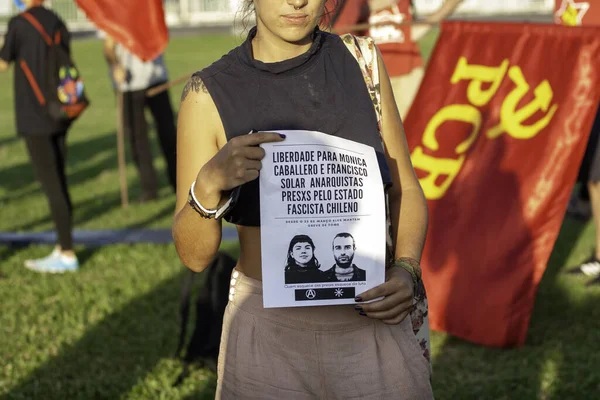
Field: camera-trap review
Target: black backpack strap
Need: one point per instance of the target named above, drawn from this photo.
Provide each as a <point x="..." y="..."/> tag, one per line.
<point x="184" y="300"/>
<point x="184" y="308"/>
<point x="36" y="24"/>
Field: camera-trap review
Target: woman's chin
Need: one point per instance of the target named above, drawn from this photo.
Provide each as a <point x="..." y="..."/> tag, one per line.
<point x="296" y="35"/>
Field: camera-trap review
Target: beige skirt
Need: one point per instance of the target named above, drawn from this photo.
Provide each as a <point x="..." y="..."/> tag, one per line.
<point x="327" y="352"/>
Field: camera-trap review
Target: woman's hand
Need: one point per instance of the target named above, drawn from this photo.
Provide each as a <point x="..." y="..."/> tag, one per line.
<point x="397" y="292"/>
<point x="236" y="163"/>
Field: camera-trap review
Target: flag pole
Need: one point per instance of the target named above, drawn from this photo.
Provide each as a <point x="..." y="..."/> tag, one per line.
<point x="167" y="85"/>
<point x="121" y="152"/>
<point x="366" y="25"/>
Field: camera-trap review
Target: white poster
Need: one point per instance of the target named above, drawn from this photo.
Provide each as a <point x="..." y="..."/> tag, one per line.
<point x="322" y="215"/>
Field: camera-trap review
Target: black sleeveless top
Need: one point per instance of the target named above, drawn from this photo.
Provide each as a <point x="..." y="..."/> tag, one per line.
<point x="320" y="90"/>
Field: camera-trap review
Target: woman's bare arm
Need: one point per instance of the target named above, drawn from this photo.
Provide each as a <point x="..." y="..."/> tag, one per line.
<point x="408" y="207"/>
<point x="199" y="131"/>
<point x="217" y="165"/>
<point x="408" y="212"/>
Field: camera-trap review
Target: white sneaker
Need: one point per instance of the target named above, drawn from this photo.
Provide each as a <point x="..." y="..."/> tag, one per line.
<point x="31" y="263"/>
<point x="54" y="264"/>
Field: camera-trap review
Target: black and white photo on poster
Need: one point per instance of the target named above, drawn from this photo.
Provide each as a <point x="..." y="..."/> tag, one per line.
<point x="322" y="220"/>
<point x="302" y="265"/>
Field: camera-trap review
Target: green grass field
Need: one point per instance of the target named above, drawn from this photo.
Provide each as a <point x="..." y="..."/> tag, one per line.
<point x="110" y="330"/>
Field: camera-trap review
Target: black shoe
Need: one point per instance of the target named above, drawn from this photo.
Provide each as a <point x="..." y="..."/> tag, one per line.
<point x="589" y="267"/>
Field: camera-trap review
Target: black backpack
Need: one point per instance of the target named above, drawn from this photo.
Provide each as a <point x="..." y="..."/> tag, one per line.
<point x="63" y="96"/>
<point x="211" y="301"/>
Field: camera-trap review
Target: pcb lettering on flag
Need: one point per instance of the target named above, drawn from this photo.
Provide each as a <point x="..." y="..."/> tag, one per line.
<point x="496" y="138"/>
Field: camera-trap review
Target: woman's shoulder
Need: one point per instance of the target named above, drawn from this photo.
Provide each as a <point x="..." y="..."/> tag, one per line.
<point x="331" y="40"/>
<point x="219" y="66"/>
<point x="340" y="47"/>
<point x="197" y="99"/>
<point x="200" y="81"/>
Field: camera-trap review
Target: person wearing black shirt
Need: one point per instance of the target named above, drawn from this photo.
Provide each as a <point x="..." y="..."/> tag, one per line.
<point x="45" y="138"/>
<point x="302" y="266"/>
<point x="290" y="75"/>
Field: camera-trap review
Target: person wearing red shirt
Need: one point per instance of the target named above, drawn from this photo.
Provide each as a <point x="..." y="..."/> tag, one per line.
<point x="398" y="44"/>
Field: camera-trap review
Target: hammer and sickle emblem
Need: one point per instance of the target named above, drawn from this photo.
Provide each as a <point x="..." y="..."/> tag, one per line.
<point x="511" y="119"/>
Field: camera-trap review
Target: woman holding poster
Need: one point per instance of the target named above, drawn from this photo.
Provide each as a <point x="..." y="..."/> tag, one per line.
<point x="289" y="75"/>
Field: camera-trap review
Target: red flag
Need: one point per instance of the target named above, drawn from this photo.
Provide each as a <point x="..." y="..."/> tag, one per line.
<point x="497" y="132"/>
<point x="139" y="25"/>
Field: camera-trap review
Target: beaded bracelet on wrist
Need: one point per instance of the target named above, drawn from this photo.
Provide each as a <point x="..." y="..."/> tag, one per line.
<point x="411" y="266"/>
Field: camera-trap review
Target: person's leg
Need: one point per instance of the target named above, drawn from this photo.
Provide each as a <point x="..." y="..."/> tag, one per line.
<point x="266" y="353"/>
<point x="160" y="106"/>
<point x="381" y="362"/>
<point x="48" y="157"/>
<point x="591" y="266"/>
<point x="65" y="226"/>
<point x="579" y="205"/>
<point x="136" y="130"/>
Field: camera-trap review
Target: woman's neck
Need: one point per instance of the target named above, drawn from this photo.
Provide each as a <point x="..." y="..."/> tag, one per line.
<point x="269" y="48"/>
<point x="302" y="266"/>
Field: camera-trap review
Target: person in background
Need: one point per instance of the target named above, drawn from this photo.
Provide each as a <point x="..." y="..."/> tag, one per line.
<point x="133" y="77"/>
<point x="590" y="178"/>
<point x="585" y="202"/>
<point x="398" y="44"/>
<point x="399" y="47"/>
<point x="44" y="137"/>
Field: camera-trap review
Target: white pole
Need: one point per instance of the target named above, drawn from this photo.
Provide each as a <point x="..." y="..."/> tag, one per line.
<point x="184" y="10"/>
